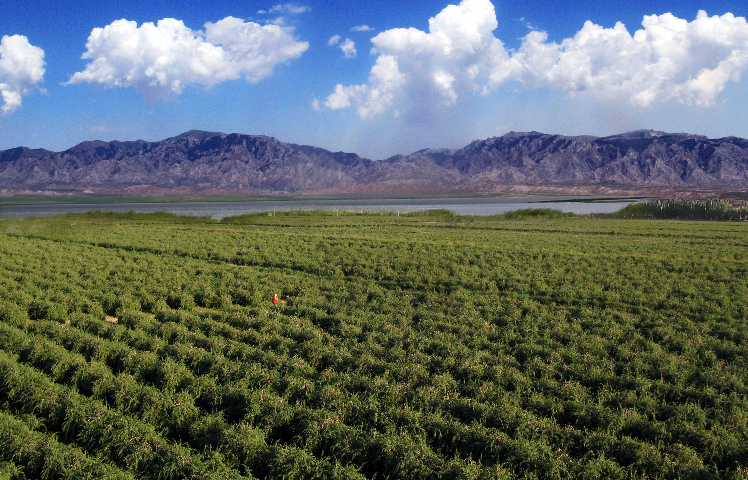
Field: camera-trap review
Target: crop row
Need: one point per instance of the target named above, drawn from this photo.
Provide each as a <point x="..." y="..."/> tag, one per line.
<point x="399" y="350"/>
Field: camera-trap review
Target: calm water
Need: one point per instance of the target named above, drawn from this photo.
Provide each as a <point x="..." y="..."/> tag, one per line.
<point x="218" y="210"/>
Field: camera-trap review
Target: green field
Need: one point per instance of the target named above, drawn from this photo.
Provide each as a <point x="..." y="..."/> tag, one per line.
<point x="414" y="347"/>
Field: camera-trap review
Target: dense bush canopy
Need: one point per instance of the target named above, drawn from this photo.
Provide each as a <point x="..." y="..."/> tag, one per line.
<point x="411" y="347"/>
<point x="677" y="208"/>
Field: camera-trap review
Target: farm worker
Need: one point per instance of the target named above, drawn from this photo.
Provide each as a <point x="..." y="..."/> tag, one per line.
<point x="275" y="298"/>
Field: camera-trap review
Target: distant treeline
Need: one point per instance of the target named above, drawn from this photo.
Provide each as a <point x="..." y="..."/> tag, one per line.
<point x="677" y="208"/>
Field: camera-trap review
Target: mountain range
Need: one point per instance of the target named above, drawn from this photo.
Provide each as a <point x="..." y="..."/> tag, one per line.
<point x="210" y="162"/>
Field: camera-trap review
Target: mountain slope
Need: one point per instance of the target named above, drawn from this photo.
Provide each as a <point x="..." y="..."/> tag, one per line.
<point x="200" y="161"/>
<point x="194" y="159"/>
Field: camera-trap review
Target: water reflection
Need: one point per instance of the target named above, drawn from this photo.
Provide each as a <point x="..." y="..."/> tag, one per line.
<point x="218" y="210"/>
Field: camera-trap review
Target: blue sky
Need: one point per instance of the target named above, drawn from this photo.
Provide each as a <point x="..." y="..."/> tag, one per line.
<point x="423" y="74"/>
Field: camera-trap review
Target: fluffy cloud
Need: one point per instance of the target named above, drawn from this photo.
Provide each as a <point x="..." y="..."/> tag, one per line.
<point x="668" y="59"/>
<point x="361" y="28"/>
<point x="385" y="82"/>
<point x="349" y="48"/>
<point x="21" y="70"/>
<point x="159" y="60"/>
<point x="420" y="70"/>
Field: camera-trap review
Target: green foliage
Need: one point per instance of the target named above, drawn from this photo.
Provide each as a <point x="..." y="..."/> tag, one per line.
<point x="131" y="215"/>
<point x="40" y="456"/>
<point x="12" y="314"/>
<point x="676" y="208"/>
<point x="537" y="212"/>
<point x="423" y="345"/>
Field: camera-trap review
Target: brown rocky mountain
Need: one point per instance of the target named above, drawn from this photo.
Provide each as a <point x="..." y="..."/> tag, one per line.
<point x="198" y="161"/>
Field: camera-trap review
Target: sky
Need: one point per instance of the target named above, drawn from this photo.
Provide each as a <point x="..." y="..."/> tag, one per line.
<point x="376" y="78"/>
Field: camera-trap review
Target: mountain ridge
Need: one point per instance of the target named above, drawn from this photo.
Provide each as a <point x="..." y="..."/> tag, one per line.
<point x="213" y="161"/>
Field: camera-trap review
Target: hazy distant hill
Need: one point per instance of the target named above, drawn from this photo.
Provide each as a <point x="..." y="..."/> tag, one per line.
<point x="206" y="161"/>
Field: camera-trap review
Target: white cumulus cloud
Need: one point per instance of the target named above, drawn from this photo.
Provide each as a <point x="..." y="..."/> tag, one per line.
<point x="385" y="82"/>
<point x="349" y="48"/>
<point x="668" y="59"/>
<point x="21" y="70"/>
<point x="159" y="60"/>
<point x="334" y="40"/>
<point x="361" y="28"/>
<point x="421" y="70"/>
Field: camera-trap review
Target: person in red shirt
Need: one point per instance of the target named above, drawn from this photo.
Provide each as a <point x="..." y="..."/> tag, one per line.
<point x="275" y="298"/>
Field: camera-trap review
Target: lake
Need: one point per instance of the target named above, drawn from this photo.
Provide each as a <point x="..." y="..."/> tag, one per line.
<point x="462" y="206"/>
